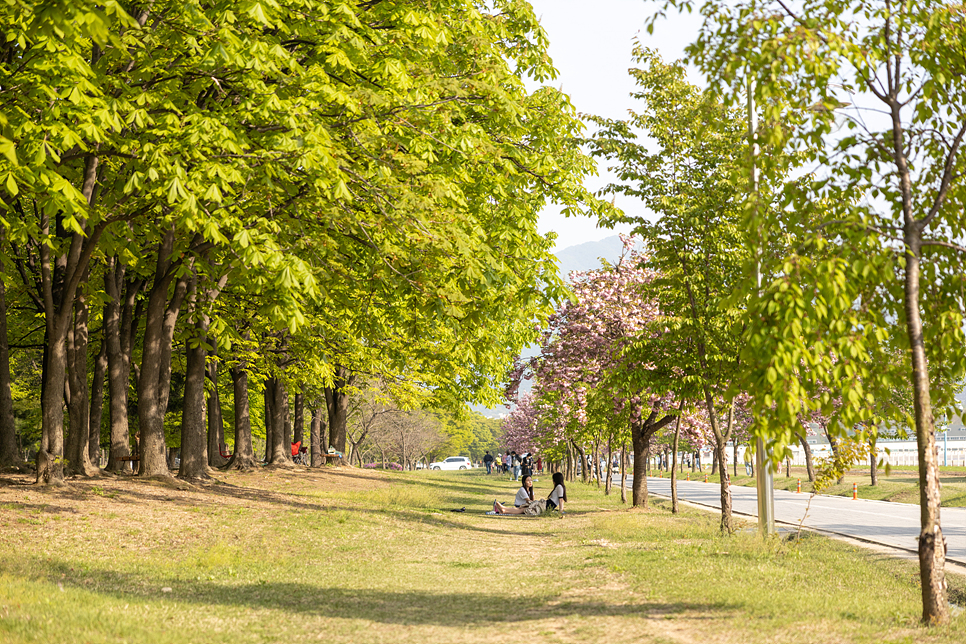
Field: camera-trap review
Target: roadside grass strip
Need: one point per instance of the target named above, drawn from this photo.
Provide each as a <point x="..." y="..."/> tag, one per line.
<point x="346" y="555"/>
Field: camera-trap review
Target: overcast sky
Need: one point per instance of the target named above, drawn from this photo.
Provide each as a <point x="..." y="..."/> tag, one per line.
<point x="590" y="44"/>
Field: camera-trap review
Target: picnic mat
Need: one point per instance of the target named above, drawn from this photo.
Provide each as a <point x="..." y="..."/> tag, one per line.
<point x="493" y="515"/>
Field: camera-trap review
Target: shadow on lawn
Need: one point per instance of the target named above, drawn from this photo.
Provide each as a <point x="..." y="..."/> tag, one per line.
<point x="407" y="607"/>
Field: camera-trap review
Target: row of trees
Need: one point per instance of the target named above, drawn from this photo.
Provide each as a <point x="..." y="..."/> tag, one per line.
<point x="787" y="272"/>
<point x="310" y="195"/>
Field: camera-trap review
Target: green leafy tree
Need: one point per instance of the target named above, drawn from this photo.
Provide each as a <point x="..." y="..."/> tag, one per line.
<point x="684" y="167"/>
<point x="886" y="201"/>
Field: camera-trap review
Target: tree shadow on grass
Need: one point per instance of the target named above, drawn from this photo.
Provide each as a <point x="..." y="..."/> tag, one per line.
<point x="215" y="495"/>
<point x="393" y="607"/>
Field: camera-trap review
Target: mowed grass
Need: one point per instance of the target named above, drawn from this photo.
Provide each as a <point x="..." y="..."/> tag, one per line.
<point x="901" y="485"/>
<point x="344" y="555"/>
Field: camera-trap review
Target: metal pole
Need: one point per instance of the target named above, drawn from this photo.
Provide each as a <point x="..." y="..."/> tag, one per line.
<point x="766" y="478"/>
<point x="766" y="491"/>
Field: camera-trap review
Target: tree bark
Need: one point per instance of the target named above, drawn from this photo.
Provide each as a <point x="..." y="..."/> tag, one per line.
<point x="269" y="399"/>
<point x="674" y="450"/>
<point x="97" y="405"/>
<point x="337" y="402"/>
<point x="280" y="453"/>
<point x="154" y="381"/>
<point x="194" y="444"/>
<point x="834" y="444"/>
<point x="78" y="401"/>
<point x="287" y="423"/>
<point x="809" y="463"/>
<point x="298" y="426"/>
<point x="641" y="443"/>
<point x="584" y="470"/>
<point x="119" y="329"/>
<point x="216" y="420"/>
<point x="932" y="544"/>
<point x="734" y="455"/>
<point x="641" y="433"/>
<point x="8" y="428"/>
<point x="60" y="280"/>
<point x="873" y="463"/>
<point x="243" y="457"/>
<point x="608" y="483"/>
<point x="721" y="439"/>
<point x="623" y="473"/>
<point x="316" y="437"/>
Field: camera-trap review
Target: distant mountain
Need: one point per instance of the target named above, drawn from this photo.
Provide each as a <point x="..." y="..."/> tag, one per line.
<point x="586" y="256"/>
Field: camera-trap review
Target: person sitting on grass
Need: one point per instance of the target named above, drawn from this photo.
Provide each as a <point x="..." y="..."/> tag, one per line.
<point x="522" y="500"/>
<point x="559" y="494"/>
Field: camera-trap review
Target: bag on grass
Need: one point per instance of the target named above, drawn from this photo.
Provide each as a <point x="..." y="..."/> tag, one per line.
<point x="534" y="508"/>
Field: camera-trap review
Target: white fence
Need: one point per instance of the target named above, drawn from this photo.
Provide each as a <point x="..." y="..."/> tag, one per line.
<point x="951" y="453"/>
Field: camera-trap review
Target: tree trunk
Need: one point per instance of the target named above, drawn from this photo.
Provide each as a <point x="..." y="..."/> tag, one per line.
<point x="119" y="329"/>
<point x="725" y="486"/>
<point x="194" y="446"/>
<point x="641" y="443"/>
<point x="714" y="462"/>
<point x="337" y="402"/>
<point x="269" y="401"/>
<point x="216" y="420"/>
<point x="623" y="473"/>
<point x="570" y="474"/>
<point x="873" y="463"/>
<point x="734" y="456"/>
<point x="243" y="457"/>
<point x="721" y="439"/>
<point x="287" y="423"/>
<point x="608" y="482"/>
<point x="8" y="428"/>
<point x="316" y="437"/>
<point x="932" y="544"/>
<point x="60" y="280"/>
<point x="873" y="467"/>
<point x="281" y="450"/>
<point x="298" y="427"/>
<point x="834" y="444"/>
<point x="584" y="470"/>
<point x="78" y="401"/>
<point x="674" y="452"/>
<point x="154" y="381"/>
<point x="97" y="405"/>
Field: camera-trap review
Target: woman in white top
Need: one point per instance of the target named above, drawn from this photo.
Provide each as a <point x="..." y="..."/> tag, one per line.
<point x="524" y="496"/>
<point x="559" y="494"/>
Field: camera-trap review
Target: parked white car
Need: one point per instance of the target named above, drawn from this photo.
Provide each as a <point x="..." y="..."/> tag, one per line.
<point x="452" y="463"/>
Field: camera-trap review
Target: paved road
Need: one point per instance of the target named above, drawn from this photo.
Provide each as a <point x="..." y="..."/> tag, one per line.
<point x="891" y="524"/>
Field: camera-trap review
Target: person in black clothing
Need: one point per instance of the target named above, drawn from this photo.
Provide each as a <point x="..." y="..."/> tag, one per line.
<point x="526" y="465"/>
<point x="488" y="461"/>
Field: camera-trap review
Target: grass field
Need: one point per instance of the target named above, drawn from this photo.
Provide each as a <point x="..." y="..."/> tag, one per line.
<point x="347" y="555"/>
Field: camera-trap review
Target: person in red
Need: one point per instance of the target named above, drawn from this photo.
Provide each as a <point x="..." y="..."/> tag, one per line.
<point x="539" y="465"/>
<point x="295" y="448"/>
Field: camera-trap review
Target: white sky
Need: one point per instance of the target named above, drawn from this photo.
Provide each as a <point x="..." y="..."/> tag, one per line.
<point x="590" y="44"/>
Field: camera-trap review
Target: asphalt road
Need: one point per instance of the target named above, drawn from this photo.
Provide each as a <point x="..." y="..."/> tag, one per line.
<point x="895" y="525"/>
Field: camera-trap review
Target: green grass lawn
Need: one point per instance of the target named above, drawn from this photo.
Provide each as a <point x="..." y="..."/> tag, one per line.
<point x="345" y="555"/>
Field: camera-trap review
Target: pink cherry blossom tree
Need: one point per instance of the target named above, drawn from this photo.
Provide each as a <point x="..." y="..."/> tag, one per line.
<point x="584" y="367"/>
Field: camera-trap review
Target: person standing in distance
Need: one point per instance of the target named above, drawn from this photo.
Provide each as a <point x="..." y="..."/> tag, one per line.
<point x="488" y="461"/>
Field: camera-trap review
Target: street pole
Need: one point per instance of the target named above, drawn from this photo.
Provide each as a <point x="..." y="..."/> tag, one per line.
<point x="766" y="478"/>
